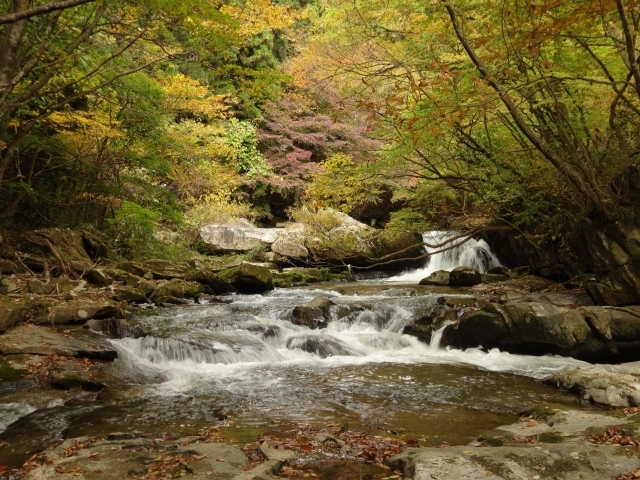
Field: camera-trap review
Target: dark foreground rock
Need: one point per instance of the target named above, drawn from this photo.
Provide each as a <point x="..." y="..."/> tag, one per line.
<point x="315" y="314"/>
<point x="31" y="339"/>
<point x="464" y="277"/>
<point x="596" y="334"/>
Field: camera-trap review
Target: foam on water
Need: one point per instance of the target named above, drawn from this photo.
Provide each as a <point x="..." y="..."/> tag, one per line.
<point x="250" y="343"/>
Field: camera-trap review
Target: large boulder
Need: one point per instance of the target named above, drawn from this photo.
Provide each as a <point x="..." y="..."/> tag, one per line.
<point x="290" y="244"/>
<point x="240" y="236"/>
<point x="315" y="314"/>
<point x="464" y="277"/>
<point x="248" y="278"/>
<point x="439" y="278"/>
<point x="597" y="334"/>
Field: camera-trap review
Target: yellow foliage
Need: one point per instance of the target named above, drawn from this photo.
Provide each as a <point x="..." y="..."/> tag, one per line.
<point x="340" y="184"/>
<point x="187" y="94"/>
<point x="261" y="15"/>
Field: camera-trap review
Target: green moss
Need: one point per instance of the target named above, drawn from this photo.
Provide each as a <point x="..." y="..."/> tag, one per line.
<point x="551" y="437"/>
<point x="10" y="374"/>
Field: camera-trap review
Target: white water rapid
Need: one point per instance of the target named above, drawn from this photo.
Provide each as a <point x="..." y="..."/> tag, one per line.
<point x="473" y="253"/>
<point x="252" y="341"/>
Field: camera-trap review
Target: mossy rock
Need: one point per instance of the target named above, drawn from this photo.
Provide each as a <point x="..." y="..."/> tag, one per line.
<point x="297" y="276"/>
<point x="178" y="289"/>
<point x="552" y="437"/>
<point x="249" y="278"/>
<point x="10" y="374"/>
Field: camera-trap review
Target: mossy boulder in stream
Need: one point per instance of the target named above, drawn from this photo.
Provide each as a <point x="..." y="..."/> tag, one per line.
<point x="249" y="278"/>
<point x="177" y="288"/>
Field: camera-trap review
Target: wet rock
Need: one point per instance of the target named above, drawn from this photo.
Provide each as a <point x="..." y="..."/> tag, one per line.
<point x="321" y="346"/>
<point x="315" y="314"/>
<point x="399" y="292"/>
<point x="98" y="276"/>
<point x="441" y="278"/>
<point x="77" y="312"/>
<point x="112" y="327"/>
<point x="595" y="334"/>
<point x="554" y="448"/>
<point x="12" y="316"/>
<point x="249" y="278"/>
<point x="265" y="331"/>
<point x="614" y="386"/>
<point x="73" y="375"/>
<point x="464" y="277"/>
<point x="297" y="275"/>
<point x="499" y="271"/>
<point x="208" y="277"/>
<point x="177" y="289"/>
<point x="493" y="278"/>
<point x="31" y="339"/>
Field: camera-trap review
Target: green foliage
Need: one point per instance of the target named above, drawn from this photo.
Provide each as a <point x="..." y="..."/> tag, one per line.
<point x="134" y="224"/>
<point x="241" y="136"/>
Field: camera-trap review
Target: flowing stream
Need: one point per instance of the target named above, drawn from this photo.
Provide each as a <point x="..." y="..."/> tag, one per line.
<point x="246" y="365"/>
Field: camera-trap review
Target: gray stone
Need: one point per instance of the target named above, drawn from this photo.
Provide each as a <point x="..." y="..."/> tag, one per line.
<point x="31" y="339"/>
<point x="98" y="276"/>
<point x="12" y="316"/>
<point x="233" y="237"/>
<point x="464" y="277"/>
<point x="290" y="245"/>
<point x="129" y="294"/>
<point x="613" y="386"/>
<point x="440" y="278"/>
<point x="499" y="271"/>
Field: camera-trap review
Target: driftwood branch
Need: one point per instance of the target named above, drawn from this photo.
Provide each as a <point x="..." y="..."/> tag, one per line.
<point x="42" y="9"/>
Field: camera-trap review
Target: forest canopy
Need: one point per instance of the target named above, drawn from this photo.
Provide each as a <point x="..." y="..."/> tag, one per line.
<point x="147" y="115"/>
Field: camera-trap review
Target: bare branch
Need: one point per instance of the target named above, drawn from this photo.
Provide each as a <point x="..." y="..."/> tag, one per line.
<point x="49" y="7"/>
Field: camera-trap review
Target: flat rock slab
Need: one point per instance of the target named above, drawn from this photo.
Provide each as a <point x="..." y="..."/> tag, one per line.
<point x="31" y="339"/>
<point x="119" y="459"/>
<point x="547" y="462"/>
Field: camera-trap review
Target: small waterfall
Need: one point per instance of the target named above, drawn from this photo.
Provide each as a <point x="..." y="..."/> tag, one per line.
<point x="473" y="253"/>
<point x="436" y="338"/>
